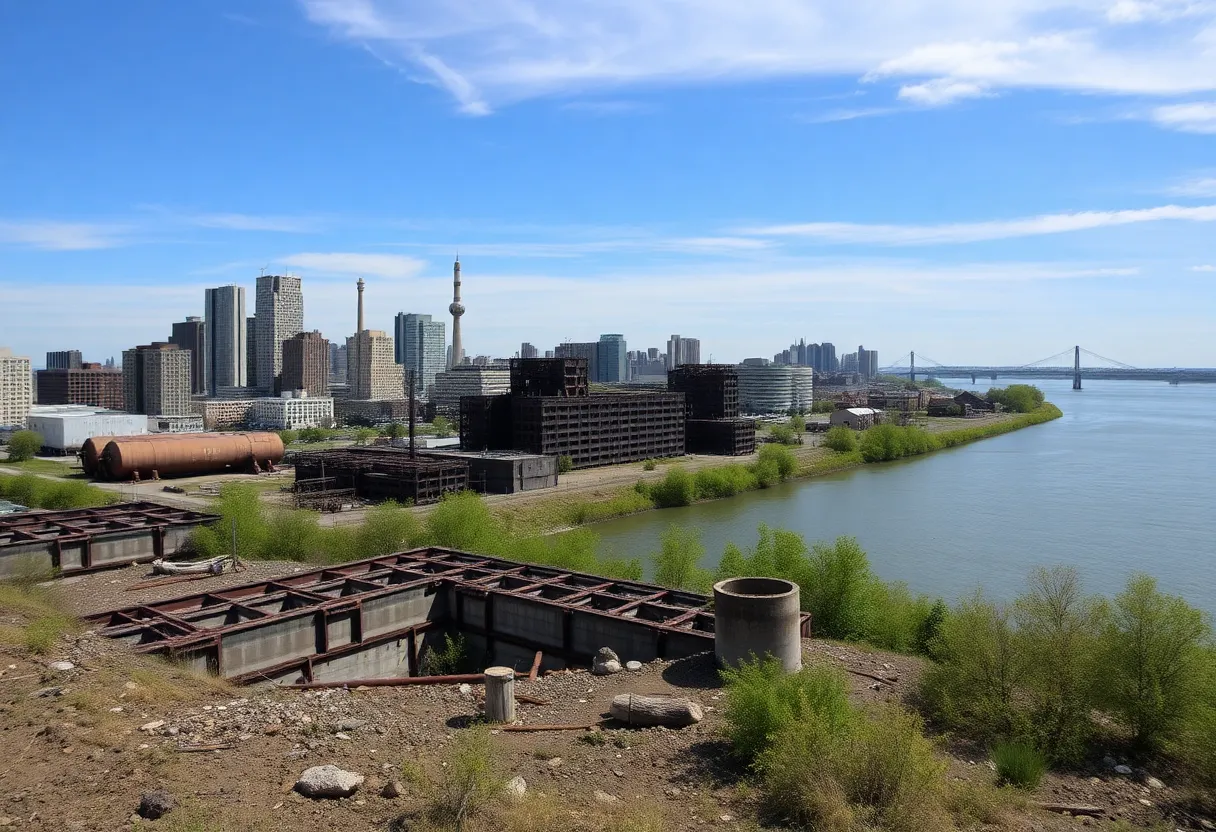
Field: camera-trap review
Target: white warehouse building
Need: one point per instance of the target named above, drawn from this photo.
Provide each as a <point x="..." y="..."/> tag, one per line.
<point x="293" y="413"/>
<point x="774" y="388"/>
<point x="65" y="427"/>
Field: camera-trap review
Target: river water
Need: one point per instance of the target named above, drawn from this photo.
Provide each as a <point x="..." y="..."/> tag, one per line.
<point x="1124" y="482"/>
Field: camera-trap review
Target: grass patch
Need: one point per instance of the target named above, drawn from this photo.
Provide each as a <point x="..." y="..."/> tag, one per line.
<point x="45" y="621"/>
<point x="1019" y="764"/>
<point x="42" y="466"/>
<point x="39" y="492"/>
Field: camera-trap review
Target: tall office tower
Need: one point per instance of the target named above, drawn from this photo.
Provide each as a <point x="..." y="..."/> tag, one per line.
<point x="456" y="354"/>
<point x="337" y="363"/>
<point x="191" y="334"/>
<point x="652" y="354"/>
<point x="420" y="347"/>
<point x="306" y="364"/>
<point x="589" y="350"/>
<point x="63" y="360"/>
<point x="802" y="352"/>
<point x="682" y="351"/>
<point x="228" y="339"/>
<point x="280" y="315"/>
<point x="867" y="362"/>
<point x="156" y="380"/>
<point x="526" y="350"/>
<point x="92" y="385"/>
<point x="610" y="358"/>
<point x="814" y="357"/>
<point x="16" y="389"/>
<point x="549" y="353"/>
<point x="251" y="352"/>
<point x="371" y="371"/>
<point x="848" y="363"/>
<point x="830" y="363"/>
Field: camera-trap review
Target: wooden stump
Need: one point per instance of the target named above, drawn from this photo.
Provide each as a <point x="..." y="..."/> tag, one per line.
<point x="672" y="711"/>
<point x="500" y="694"/>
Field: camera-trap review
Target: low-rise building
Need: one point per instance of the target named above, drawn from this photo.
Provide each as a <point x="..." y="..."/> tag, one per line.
<point x="857" y="418"/>
<point x="293" y="413"/>
<point x="223" y="413"/>
<point x="64" y="428"/>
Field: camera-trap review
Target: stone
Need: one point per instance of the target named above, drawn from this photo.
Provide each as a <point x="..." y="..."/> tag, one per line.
<point x="555" y="762"/>
<point x="155" y="804"/>
<point x="392" y="789"/>
<point x="46" y="692"/>
<point x="604" y="797"/>
<point x="152" y="726"/>
<point x="633" y="666"/>
<point x="351" y="724"/>
<point x="725" y="818"/>
<point x="516" y="787"/>
<point x="1144" y="802"/>
<point x="341" y="736"/>
<point x="61" y="667"/>
<point x="465" y="689"/>
<point x="1153" y="783"/>
<point x="328" y="782"/>
<point x="1124" y="770"/>
<point x="606" y="668"/>
<point x="1109" y="762"/>
<point x="606" y="654"/>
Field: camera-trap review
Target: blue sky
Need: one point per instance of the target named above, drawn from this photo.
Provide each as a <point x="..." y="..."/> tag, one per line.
<point x="980" y="182"/>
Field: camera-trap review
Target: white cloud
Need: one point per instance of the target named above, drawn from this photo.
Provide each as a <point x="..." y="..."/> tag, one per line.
<point x="1203" y="268"/>
<point x="722" y="245"/>
<point x="941" y="91"/>
<point x="488" y="53"/>
<point x="62" y="236"/>
<point x="971" y="232"/>
<point x="1196" y="117"/>
<point x="350" y="263"/>
<point x="251" y="222"/>
<point x="1202" y="186"/>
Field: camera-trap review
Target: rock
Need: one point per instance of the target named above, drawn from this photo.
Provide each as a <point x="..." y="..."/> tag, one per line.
<point x="351" y="724"/>
<point x="1144" y="802"/>
<point x="604" y="797"/>
<point x="606" y="668"/>
<point x="341" y="736"/>
<point x="61" y="667"/>
<point x="392" y="789"/>
<point x="328" y="782"/>
<point x="465" y="688"/>
<point x="152" y="726"/>
<point x="46" y="692"/>
<point x="725" y="818"/>
<point x="555" y="762"/>
<point x="606" y="654"/>
<point x="155" y="804"/>
<point x="1153" y="783"/>
<point x="516" y="787"/>
<point x="1125" y="770"/>
<point x="271" y="730"/>
<point x="633" y="666"/>
<point x="1109" y="762"/>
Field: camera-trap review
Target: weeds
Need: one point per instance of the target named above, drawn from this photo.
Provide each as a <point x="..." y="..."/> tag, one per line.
<point x="452" y="658"/>
<point x="1019" y="764"/>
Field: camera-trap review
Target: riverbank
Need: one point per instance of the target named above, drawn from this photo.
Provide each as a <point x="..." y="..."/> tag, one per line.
<point x="549" y="512"/>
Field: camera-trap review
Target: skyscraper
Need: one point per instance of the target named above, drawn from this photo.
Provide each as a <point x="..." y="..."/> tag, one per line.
<point x="611" y="358"/>
<point x="371" y="371"/>
<point x="225" y="339"/>
<point x="280" y="315"/>
<point x="337" y="363"/>
<point x="63" y="360"/>
<point x="251" y="352"/>
<point x="830" y="364"/>
<point x="867" y="362"/>
<point x="420" y="344"/>
<point x="191" y="334"/>
<point x="16" y="389"/>
<point x="156" y="380"/>
<point x="456" y="356"/>
<point x="306" y="364"/>
<point x="526" y="350"/>
<point x="682" y="351"/>
<point x="814" y="357"/>
<point x="589" y="350"/>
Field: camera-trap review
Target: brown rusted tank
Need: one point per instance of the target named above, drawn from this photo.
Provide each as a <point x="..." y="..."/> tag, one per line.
<point x="91" y="450"/>
<point x="188" y="454"/>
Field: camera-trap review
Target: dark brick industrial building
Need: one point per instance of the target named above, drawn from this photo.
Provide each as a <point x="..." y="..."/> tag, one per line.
<point x="91" y="384"/>
<point x="306" y="364"/>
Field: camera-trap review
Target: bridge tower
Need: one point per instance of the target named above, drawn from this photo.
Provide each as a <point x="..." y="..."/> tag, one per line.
<point x="1076" y="369"/>
<point x="912" y="374"/>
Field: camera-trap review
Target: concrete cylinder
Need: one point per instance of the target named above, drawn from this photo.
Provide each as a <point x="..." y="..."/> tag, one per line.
<point x="754" y="617"/>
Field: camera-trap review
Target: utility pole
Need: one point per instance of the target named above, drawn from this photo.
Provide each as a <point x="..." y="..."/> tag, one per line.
<point x="1076" y="369"/>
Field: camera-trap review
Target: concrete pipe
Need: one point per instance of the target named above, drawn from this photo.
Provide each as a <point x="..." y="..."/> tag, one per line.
<point x="754" y="617"/>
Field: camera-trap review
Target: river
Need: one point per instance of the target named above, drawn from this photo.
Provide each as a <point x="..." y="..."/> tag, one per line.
<point x="1124" y="482"/>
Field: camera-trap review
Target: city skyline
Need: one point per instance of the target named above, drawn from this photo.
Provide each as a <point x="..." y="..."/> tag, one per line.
<point x="900" y="188"/>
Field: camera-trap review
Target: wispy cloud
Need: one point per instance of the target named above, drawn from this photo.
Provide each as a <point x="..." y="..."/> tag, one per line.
<point x="494" y="52"/>
<point x="972" y="232"/>
<point x="1204" y="268"/>
<point x="641" y="243"/>
<point x="63" y="236"/>
<point x="1203" y="186"/>
<point x="253" y="222"/>
<point x="849" y="115"/>
<point x="354" y="263"/>
<point x="1196" y="117"/>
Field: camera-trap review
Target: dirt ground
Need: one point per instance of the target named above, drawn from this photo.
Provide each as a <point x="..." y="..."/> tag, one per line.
<point x="80" y="746"/>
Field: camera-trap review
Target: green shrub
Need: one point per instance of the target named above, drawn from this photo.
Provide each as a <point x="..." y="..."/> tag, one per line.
<point x="783" y="458"/>
<point x="565" y="464"/>
<point x="837" y="590"/>
<point x="1019" y="764"/>
<point x="784" y="435"/>
<point x="722" y="481"/>
<point x="841" y="439"/>
<point x="762" y="700"/>
<point x="897" y="618"/>
<point x="883" y="443"/>
<point x="873" y="771"/>
<point x="1019" y="398"/>
<point x="678" y="488"/>
<point x="1153" y="662"/>
<point x="462" y="521"/>
<point x="676" y="562"/>
<point x="471" y="781"/>
<point x="626" y="502"/>
<point x="38" y="492"/>
<point x="387" y="528"/>
<point x="288" y="436"/>
<point x="452" y="657"/>
<point x="649" y="465"/>
<point x="23" y="445"/>
<point x="798" y="423"/>
<point x="442" y="426"/>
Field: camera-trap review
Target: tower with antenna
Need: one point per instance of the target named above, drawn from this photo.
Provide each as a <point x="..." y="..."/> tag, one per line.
<point x="457" y="309"/>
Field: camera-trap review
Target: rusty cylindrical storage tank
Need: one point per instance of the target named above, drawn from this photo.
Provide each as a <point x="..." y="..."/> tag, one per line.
<point x="189" y="454"/>
<point x="754" y="617"/>
<point x="91" y="450"/>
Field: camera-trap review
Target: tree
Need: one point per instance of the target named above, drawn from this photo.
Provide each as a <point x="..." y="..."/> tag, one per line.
<point x="364" y="435"/>
<point x="394" y="430"/>
<point x="565" y="464"/>
<point x="1020" y="398"/>
<point x="24" y="444"/>
<point x="676" y="563"/>
<point x="288" y="436"/>
<point x="798" y="423"/>
<point x="1152" y="661"/>
<point x="443" y="427"/>
<point x="841" y="439"/>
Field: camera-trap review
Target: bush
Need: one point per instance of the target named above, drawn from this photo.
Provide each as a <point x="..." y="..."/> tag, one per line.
<point x="782" y="458"/>
<point x="565" y="464"/>
<point x="364" y="435"/>
<point x="1153" y="662"/>
<point x="471" y="781"/>
<point x="443" y="427"/>
<point x="288" y="436"/>
<point x="23" y="445"/>
<point x="837" y="589"/>
<point x="1019" y="398"/>
<point x="649" y="465"/>
<point x="676" y="562"/>
<point x="1019" y="764"/>
<point x="841" y="439"/>
<point x="452" y="658"/>
<point x="314" y="435"/>
<point x="798" y="424"/>
<point x="678" y="488"/>
<point x="723" y="481"/>
<point x="388" y="527"/>
<point x="763" y="700"/>
<point x="784" y="435"/>
<point x="38" y="492"/>
<point x="882" y="443"/>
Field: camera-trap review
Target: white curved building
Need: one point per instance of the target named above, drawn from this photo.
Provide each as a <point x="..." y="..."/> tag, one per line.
<point x="774" y="388"/>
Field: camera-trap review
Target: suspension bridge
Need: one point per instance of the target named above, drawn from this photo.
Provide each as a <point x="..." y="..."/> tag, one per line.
<point x="1064" y="364"/>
